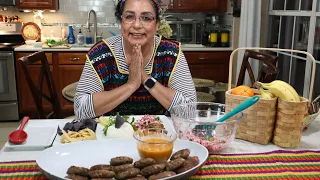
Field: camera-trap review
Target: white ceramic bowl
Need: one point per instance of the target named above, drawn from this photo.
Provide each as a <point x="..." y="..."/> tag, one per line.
<point x="37" y="44"/>
<point x="30" y="42"/>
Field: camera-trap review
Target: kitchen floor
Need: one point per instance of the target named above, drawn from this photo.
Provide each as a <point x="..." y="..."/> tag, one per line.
<point x="5" y="129"/>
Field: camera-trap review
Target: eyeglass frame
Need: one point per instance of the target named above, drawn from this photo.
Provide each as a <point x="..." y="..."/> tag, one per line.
<point x="140" y="18"/>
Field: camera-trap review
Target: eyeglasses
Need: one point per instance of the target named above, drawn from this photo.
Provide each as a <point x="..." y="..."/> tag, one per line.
<point x="144" y="19"/>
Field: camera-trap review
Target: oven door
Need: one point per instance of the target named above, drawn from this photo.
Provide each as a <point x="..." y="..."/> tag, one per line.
<point x="8" y="90"/>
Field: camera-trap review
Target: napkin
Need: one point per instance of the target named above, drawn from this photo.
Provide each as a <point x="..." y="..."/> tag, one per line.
<point x="77" y="125"/>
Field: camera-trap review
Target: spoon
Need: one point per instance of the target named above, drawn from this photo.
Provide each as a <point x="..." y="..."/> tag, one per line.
<point x="19" y="136"/>
<point x="244" y="105"/>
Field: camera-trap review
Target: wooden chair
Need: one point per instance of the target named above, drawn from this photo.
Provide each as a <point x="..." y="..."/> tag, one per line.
<point x="268" y="71"/>
<point x="36" y="88"/>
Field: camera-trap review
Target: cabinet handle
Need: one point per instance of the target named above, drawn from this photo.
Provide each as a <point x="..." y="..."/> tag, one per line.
<point x="202" y="58"/>
<point x="179" y="5"/>
<point x="74" y="59"/>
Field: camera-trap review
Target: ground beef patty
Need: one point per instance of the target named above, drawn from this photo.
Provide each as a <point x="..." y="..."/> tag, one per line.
<point x="101" y="166"/>
<point x="78" y="171"/>
<point x="188" y="164"/>
<point x="132" y="172"/>
<point x="76" y="177"/>
<point x="137" y="178"/>
<point x="122" y="167"/>
<point x="174" y="164"/>
<point x="101" y="174"/>
<point x="144" y="162"/>
<point x="121" y="160"/>
<point x="153" y="169"/>
<point x="161" y="175"/>
<point x="183" y="153"/>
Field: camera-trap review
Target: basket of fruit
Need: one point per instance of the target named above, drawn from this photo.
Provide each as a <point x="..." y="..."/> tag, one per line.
<point x="291" y="110"/>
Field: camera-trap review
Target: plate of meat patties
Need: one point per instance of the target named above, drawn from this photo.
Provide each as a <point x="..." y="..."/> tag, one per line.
<point x="119" y="159"/>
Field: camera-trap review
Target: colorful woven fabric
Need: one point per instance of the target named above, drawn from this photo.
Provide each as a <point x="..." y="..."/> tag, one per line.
<point x="20" y="170"/>
<point x="272" y="166"/>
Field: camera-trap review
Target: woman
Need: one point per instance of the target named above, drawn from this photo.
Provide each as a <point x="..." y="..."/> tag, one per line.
<point x="137" y="72"/>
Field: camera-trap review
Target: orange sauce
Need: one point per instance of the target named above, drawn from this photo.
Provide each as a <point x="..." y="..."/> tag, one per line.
<point x="159" y="152"/>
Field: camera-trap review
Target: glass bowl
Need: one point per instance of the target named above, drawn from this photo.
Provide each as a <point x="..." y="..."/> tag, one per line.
<point x="155" y="143"/>
<point x="197" y="122"/>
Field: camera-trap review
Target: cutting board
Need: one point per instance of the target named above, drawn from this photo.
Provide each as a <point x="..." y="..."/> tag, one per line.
<point x="45" y="46"/>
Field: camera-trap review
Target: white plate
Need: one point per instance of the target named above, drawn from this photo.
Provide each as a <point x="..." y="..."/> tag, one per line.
<point x="55" y="161"/>
<point x="40" y="135"/>
<point x="167" y="123"/>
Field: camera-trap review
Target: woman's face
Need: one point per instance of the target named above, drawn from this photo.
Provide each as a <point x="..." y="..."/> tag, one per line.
<point x="138" y="24"/>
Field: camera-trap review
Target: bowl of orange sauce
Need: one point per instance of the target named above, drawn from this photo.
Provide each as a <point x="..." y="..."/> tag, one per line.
<point x="155" y="143"/>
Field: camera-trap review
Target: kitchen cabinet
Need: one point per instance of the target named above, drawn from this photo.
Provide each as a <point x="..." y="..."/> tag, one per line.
<point x="212" y="65"/>
<point x="36" y="4"/>
<point x="209" y="6"/>
<point x="66" y="68"/>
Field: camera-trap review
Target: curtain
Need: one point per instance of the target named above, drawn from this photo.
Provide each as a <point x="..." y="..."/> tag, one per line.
<point x="249" y="33"/>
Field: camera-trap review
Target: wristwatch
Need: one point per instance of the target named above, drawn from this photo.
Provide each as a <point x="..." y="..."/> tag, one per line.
<point x="149" y="83"/>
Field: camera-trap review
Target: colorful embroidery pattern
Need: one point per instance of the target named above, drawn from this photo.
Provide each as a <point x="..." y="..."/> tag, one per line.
<point x="106" y="67"/>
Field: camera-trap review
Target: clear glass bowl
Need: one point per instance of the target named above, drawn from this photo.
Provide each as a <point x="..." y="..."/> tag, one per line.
<point x="155" y="143"/>
<point x="197" y="122"/>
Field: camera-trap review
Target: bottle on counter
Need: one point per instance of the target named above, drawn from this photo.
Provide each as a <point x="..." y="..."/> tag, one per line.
<point x="80" y="38"/>
<point x="89" y="39"/>
<point x="71" y="38"/>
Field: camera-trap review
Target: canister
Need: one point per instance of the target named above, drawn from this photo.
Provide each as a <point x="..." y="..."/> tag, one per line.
<point x="213" y="38"/>
<point x="224" y="34"/>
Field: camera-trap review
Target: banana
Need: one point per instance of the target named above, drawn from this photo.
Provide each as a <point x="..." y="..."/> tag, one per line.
<point x="265" y="94"/>
<point x="279" y="91"/>
<point x="289" y="87"/>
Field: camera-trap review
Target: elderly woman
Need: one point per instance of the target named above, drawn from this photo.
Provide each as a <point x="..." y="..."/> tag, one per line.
<point x="135" y="73"/>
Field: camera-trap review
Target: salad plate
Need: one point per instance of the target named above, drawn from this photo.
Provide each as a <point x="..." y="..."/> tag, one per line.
<point x="55" y="161"/>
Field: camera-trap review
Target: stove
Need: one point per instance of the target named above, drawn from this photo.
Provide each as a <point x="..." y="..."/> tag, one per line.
<point x="10" y="37"/>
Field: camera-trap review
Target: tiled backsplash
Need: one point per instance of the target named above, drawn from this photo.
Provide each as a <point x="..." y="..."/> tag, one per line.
<point x="75" y="12"/>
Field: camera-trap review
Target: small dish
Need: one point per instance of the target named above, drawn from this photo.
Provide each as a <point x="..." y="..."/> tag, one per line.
<point x="40" y="135"/>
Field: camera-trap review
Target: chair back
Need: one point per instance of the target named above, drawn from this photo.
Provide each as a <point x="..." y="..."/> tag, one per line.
<point x="36" y="87"/>
<point x="268" y="70"/>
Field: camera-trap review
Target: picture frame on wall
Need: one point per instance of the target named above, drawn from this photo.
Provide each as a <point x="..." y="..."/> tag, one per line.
<point x="236" y="8"/>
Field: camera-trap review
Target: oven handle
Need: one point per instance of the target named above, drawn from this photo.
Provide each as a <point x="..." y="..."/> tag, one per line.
<point x="8" y="104"/>
<point x="5" y="54"/>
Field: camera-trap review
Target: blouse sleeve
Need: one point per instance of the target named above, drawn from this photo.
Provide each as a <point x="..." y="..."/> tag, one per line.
<point x="182" y="83"/>
<point x="87" y="85"/>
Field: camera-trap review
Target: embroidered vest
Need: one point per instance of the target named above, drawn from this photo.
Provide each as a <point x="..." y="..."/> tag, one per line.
<point x="141" y="101"/>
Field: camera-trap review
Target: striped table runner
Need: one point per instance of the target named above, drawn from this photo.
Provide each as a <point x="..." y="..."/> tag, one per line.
<point x="272" y="165"/>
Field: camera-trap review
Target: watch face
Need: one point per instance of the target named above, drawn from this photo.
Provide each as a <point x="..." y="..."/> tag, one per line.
<point x="149" y="83"/>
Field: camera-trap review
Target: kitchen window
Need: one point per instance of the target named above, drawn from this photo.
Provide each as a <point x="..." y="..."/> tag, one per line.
<point x="295" y="24"/>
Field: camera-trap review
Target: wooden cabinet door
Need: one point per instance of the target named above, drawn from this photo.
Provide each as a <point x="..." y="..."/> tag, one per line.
<point x="68" y="74"/>
<point x="37" y="4"/>
<point x="209" y="65"/>
<point x="189" y="5"/>
<point x="209" y="5"/>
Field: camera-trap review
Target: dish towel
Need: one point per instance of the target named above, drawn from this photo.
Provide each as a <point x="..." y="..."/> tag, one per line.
<point x="272" y="165"/>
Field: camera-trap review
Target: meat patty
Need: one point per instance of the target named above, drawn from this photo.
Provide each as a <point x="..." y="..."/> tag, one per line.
<point x="122" y="167"/>
<point x="121" y="160"/>
<point x="188" y="164"/>
<point x="78" y="171"/>
<point x="153" y="169"/>
<point x="102" y="174"/>
<point x="144" y="162"/>
<point x="132" y="172"/>
<point x="174" y="164"/>
<point x="161" y="175"/>
<point x="183" y="153"/>
<point x="76" y="177"/>
<point x="102" y="179"/>
<point x="101" y="166"/>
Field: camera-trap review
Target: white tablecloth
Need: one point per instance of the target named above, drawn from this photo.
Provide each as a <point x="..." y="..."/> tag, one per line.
<point x="309" y="141"/>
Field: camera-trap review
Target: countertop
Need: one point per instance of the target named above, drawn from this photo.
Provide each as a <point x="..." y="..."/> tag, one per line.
<point x="74" y="48"/>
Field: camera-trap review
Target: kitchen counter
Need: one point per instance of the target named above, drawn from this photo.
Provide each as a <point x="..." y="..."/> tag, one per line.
<point x="185" y="47"/>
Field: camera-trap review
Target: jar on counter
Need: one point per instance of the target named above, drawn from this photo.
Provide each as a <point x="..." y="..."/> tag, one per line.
<point x="225" y="40"/>
<point x="213" y="38"/>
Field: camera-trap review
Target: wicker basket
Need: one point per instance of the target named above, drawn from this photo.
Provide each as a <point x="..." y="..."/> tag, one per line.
<point x="205" y="97"/>
<point x="258" y="120"/>
<point x="289" y="123"/>
<point x="283" y="139"/>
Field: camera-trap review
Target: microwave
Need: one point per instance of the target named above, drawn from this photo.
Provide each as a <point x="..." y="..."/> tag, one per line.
<point x="187" y="32"/>
<point x="7" y="2"/>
